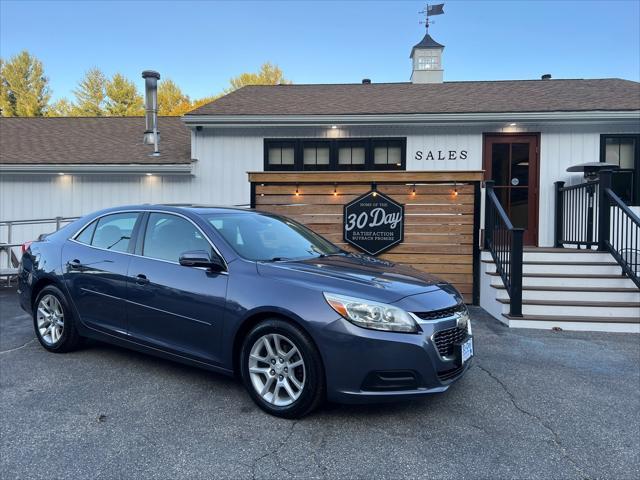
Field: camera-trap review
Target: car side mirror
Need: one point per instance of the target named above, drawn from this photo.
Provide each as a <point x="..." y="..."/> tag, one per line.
<point x="201" y="258"/>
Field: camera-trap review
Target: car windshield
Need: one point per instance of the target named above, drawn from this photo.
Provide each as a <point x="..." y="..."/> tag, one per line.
<point x="270" y="238"/>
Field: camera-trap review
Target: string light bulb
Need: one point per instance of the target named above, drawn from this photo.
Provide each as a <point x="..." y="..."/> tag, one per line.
<point x="297" y="191"/>
<point x="413" y="190"/>
<point x="455" y="189"/>
<point x="374" y="187"/>
<point x="335" y="189"/>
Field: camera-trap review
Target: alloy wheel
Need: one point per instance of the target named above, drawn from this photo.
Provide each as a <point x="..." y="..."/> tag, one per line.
<point x="50" y="318"/>
<point x="277" y="369"/>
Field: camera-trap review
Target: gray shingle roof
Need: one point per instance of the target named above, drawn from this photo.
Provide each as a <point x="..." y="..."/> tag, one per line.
<point x="90" y="140"/>
<point x="449" y="97"/>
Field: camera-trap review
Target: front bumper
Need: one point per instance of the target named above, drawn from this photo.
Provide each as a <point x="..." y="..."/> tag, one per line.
<point x="365" y="365"/>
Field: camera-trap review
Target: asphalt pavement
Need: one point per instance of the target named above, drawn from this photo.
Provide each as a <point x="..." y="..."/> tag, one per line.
<point x="534" y="404"/>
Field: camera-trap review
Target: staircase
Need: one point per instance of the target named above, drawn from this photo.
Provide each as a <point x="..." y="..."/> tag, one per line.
<point x="566" y="288"/>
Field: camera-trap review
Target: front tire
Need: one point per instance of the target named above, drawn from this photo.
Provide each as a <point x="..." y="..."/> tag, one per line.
<point x="281" y="369"/>
<point x="54" y="322"/>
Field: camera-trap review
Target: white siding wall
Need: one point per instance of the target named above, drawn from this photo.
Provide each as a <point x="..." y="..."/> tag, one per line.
<point x="224" y="155"/>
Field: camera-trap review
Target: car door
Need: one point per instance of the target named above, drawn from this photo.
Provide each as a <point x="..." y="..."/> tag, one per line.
<point x="173" y="307"/>
<point x="95" y="264"/>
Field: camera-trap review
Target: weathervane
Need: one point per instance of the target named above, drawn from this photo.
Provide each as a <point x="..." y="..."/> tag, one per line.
<point x="430" y="11"/>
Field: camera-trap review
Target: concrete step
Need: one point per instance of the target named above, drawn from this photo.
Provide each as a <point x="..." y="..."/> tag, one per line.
<point x="591" y="268"/>
<point x="573" y="294"/>
<point x="559" y="255"/>
<point x="570" y="280"/>
<point x="594" y="309"/>
<point x="547" y="322"/>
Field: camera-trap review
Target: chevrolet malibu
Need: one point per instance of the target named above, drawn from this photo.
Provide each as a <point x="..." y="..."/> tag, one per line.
<point x="253" y="294"/>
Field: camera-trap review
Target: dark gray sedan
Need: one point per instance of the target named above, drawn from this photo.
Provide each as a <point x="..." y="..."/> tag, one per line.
<point x="247" y="293"/>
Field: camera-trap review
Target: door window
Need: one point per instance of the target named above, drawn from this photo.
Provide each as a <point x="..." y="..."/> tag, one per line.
<point x="111" y="232"/>
<point x="169" y="236"/>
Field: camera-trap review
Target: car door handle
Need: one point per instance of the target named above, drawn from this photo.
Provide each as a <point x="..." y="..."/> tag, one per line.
<point x="141" y="279"/>
<point x="74" y="264"/>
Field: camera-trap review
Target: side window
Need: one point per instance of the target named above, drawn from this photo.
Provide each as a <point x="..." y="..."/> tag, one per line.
<point x="113" y="232"/>
<point x="87" y="234"/>
<point x="168" y="236"/>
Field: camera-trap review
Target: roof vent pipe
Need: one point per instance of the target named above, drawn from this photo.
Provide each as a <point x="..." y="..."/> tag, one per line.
<point x="366" y="81"/>
<point x="151" y="134"/>
<point x="546" y="76"/>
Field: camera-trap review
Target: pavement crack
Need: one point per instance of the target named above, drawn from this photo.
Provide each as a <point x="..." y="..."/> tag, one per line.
<point x="320" y="447"/>
<point x="554" y="435"/>
<point x="273" y="452"/>
<point x="18" y="348"/>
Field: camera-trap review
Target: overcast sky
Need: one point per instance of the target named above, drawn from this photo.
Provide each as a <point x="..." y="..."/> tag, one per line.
<point x="201" y="44"/>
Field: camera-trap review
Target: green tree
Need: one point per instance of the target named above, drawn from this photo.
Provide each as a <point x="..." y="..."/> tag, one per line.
<point x="24" y="88"/>
<point x="123" y="99"/>
<point x="60" y="108"/>
<point x="90" y="94"/>
<point x="267" y="75"/>
<point x="171" y="100"/>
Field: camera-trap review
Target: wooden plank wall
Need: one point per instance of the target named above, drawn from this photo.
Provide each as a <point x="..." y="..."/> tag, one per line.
<point x="439" y="223"/>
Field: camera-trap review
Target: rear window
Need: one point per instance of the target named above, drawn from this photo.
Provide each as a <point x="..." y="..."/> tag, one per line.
<point x="111" y="232"/>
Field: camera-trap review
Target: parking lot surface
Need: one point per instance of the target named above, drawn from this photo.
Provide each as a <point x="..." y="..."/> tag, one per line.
<point x="534" y="404"/>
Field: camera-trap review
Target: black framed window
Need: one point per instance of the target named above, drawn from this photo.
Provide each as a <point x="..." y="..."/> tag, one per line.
<point x="316" y="155"/>
<point x="388" y="154"/>
<point x="623" y="150"/>
<point x="351" y="155"/>
<point x="335" y="154"/>
<point x="280" y="155"/>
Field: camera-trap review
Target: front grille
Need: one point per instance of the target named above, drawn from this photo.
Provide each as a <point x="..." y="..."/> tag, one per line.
<point x="446" y="339"/>
<point x="452" y="373"/>
<point x="443" y="313"/>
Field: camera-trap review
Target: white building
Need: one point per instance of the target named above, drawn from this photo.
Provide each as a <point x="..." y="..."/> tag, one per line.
<point x="524" y="134"/>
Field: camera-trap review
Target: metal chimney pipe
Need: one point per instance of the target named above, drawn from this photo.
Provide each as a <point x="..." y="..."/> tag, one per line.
<point x="151" y="134"/>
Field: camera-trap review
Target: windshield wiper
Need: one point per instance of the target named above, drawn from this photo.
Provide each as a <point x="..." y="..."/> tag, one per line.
<point x="277" y="259"/>
<point x="335" y="254"/>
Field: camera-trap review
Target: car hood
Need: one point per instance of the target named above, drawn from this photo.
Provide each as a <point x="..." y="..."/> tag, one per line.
<point x="355" y="275"/>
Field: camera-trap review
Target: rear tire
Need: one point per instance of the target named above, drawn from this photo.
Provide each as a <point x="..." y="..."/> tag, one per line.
<point x="282" y="369"/>
<point x="54" y="322"/>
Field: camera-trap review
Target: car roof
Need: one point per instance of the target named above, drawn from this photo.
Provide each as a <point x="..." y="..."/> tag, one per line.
<point x="183" y="207"/>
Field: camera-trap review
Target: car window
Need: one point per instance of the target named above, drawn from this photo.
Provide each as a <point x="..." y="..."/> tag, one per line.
<point x="168" y="236"/>
<point x="113" y="232"/>
<point x="87" y="234"/>
<point x="266" y="237"/>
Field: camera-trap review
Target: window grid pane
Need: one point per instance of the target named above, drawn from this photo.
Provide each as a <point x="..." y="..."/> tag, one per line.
<point x="337" y="154"/>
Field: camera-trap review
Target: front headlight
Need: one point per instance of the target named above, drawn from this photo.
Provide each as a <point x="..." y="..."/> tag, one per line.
<point x="369" y="314"/>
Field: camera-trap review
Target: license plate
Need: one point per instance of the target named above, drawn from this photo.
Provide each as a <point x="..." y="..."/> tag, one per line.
<point x="467" y="350"/>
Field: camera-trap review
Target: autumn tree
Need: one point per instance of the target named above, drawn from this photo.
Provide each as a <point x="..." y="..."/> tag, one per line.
<point x="171" y="100"/>
<point x="24" y="88"/>
<point x="90" y="94"/>
<point x="203" y="101"/>
<point x="267" y="75"/>
<point x="60" y="108"/>
<point x="122" y="97"/>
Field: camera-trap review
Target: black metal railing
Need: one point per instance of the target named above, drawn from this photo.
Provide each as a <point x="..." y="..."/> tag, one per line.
<point x="505" y="244"/>
<point x="623" y="236"/>
<point x="576" y="221"/>
<point x="591" y="214"/>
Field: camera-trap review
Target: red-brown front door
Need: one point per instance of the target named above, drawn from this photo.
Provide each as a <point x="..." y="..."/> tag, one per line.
<point x="511" y="161"/>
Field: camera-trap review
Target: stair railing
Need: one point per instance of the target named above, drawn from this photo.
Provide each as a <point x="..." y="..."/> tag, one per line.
<point x="591" y="214"/>
<point x="506" y="246"/>
<point x="620" y="230"/>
